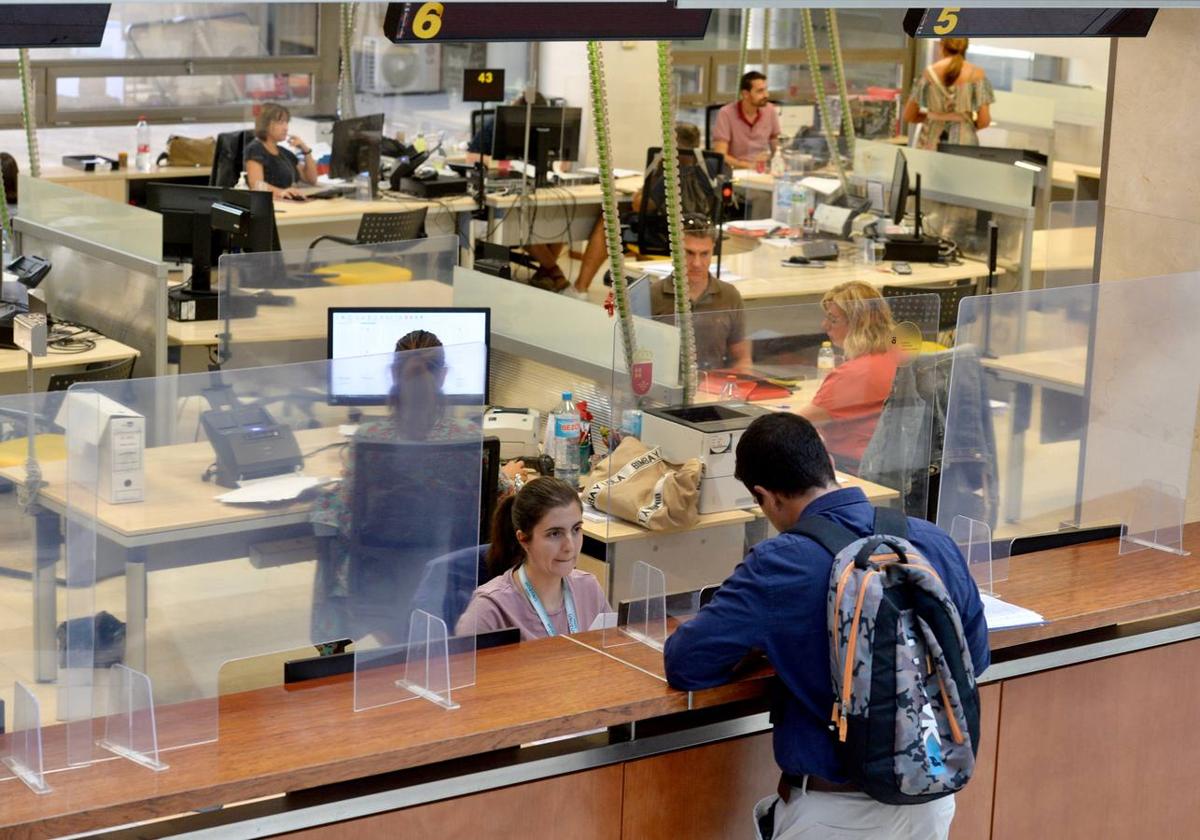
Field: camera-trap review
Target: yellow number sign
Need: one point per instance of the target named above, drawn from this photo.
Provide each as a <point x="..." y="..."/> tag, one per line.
<point x="486" y="77"/>
<point x="427" y="22"/>
<point x="947" y="20"/>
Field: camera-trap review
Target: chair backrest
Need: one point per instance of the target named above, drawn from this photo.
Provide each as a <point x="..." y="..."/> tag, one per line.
<point x="375" y="228"/>
<point x="697" y="194"/>
<point x="104" y="372"/>
<point x="229" y="158"/>
<point x="906" y="306"/>
<point x="710" y="120"/>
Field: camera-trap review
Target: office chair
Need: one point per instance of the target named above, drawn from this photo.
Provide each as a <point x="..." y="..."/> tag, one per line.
<point x="377" y="228"/>
<point x="697" y="183"/>
<point x="229" y="158"/>
<point x="907" y="306"/>
<point x="710" y="119"/>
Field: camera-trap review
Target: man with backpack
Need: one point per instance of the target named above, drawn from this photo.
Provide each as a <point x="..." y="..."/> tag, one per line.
<point x="842" y="776"/>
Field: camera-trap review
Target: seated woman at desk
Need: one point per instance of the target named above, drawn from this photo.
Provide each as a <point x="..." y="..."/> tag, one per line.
<point x="269" y="165"/>
<point x="416" y="413"/>
<point x="955" y="96"/>
<point x="536" y="537"/>
<point x="847" y="406"/>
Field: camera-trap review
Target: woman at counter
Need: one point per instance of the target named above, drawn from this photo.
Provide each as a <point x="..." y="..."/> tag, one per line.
<point x="847" y="406"/>
<point x="536" y="537"/>
<point x="951" y="99"/>
<point x="269" y="165"/>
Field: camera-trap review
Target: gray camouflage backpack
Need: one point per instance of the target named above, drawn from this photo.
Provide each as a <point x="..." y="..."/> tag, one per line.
<point x="905" y="718"/>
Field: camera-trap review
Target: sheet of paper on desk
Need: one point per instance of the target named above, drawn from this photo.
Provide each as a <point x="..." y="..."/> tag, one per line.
<point x="730" y="277"/>
<point x="1001" y="615"/>
<point x="660" y="268"/>
<point x="261" y="491"/>
<point x="756" y="224"/>
<point x="617" y="173"/>
<point x="593" y="515"/>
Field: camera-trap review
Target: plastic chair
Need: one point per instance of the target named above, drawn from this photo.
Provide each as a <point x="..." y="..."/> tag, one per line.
<point x="377" y="228"/>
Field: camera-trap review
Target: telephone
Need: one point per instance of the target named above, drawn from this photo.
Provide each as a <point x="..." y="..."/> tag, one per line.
<point x="249" y="443"/>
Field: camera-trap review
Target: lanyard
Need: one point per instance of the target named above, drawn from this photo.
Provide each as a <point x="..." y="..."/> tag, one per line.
<point x="568" y="602"/>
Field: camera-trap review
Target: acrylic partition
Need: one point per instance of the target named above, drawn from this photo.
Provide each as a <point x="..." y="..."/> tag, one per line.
<point x="274" y="306"/>
<point x="267" y="526"/>
<point x="1065" y="252"/>
<point x="91" y="218"/>
<point x="668" y="467"/>
<point x="1089" y="394"/>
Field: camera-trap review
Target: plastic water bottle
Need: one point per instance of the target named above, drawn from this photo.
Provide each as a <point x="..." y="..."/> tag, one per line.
<point x="142" y="161"/>
<point x="729" y="391"/>
<point x="362" y="186"/>
<point x="566" y="441"/>
<point x="825" y="360"/>
<point x="777" y="167"/>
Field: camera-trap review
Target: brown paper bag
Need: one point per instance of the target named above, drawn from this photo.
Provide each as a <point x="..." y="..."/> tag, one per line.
<point x="634" y="483"/>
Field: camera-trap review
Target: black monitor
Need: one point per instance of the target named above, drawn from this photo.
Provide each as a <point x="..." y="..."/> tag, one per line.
<point x="553" y="135"/>
<point x="201" y="223"/>
<point x="373" y="331"/>
<point x="356" y="144"/>
<point x="899" y="196"/>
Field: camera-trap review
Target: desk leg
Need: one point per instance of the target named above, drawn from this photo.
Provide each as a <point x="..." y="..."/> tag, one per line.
<point x="1015" y="469"/>
<point x="135" y="608"/>
<point x="48" y="530"/>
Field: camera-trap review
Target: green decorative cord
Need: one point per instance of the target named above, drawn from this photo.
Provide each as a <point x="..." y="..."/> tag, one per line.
<point x="745" y="50"/>
<point x="346" y="109"/>
<point x="839" y="75"/>
<point x="6" y="224"/>
<point x="35" y="160"/>
<point x="814" y="66"/>
<point x="766" y="47"/>
<point x="612" y="221"/>
<point x="683" y="304"/>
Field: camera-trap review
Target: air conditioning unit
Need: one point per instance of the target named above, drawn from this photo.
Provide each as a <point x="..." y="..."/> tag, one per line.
<point x="399" y="68"/>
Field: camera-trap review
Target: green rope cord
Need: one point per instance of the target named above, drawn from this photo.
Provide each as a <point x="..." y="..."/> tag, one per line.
<point x="6" y="225"/>
<point x="346" y="108"/>
<point x="35" y="159"/>
<point x="766" y="47"/>
<point x="683" y="304"/>
<point x="839" y="75"/>
<point x="612" y="220"/>
<point x="745" y="49"/>
<point x="814" y="67"/>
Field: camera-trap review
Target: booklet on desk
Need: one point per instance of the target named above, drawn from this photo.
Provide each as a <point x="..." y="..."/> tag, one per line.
<point x="1001" y="615"/>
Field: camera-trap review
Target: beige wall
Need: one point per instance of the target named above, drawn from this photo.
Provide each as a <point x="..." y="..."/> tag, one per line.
<point x="1151" y="200"/>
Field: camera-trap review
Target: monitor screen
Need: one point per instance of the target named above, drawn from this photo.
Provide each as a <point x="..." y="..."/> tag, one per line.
<point x="356" y="147"/>
<point x="374" y="331"/>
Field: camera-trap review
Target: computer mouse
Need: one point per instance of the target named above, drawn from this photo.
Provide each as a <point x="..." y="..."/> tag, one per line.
<point x="798" y="260"/>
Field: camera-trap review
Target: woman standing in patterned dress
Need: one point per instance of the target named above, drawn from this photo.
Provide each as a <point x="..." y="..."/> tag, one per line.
<point x="951" y="99"/>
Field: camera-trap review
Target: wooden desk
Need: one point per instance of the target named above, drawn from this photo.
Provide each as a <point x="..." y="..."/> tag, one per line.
<point x="1063" y="249"/>
<point x="116" y="185"/>
<point x="1056" y="709"/>
<point x="553" y="214"/>
<point x="1081" y="179"/>
<point x="300" y="222"/>
<point x="12" y="363"/>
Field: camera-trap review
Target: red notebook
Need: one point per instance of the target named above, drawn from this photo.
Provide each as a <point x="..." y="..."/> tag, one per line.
<point x="749" y="388"/>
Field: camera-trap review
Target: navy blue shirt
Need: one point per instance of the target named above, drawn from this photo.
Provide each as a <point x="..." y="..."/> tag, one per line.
<point x="775" y="602"/>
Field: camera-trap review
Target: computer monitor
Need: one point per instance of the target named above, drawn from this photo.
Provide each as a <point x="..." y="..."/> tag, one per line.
<point x="356" y="144"/>
<point x="553" y="135"/>
<point x="899" y="196"/>
<point x="193" y="232"/>
<point x="374" y="331"/>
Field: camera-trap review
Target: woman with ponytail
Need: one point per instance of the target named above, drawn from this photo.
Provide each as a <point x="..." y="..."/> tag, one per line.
<point x="536" y="537"/>
<point x="951" y="99"/>
<point x="416" y="413"/>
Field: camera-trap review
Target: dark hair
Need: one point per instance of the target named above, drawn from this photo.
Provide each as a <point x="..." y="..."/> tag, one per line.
<point x="697" y="224"/>
<point x="8" y="169"/>
<point x="782" y="453"/>
<point x="269" y="113"/>
<point x="416" y="398"/>
<point x="522" y="511"/>
<point x="748" y="79"/>
<point x="687" y="136"/>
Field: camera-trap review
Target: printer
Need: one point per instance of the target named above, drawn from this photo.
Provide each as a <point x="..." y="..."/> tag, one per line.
<point x="517" y="429"/>
<point x="708" y="432"/>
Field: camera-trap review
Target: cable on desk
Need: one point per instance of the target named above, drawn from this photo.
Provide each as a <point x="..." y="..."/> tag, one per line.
<point x="68" y="337"/>
<point x="336" y="443"/>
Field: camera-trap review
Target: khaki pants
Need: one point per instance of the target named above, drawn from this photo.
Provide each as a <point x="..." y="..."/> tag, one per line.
<point x="815" y="815"/>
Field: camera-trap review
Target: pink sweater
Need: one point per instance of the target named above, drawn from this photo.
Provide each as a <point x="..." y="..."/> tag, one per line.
<point x="501" y="602"/>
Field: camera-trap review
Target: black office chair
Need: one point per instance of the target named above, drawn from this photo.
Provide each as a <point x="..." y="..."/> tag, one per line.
<point x="697" y="183"/>
<point x="377" y="228"/>
<point x="95" y="372"/>
<point x="906" y="305"/>
<point x="710" y="120"/>
<point x="229" y="158"/>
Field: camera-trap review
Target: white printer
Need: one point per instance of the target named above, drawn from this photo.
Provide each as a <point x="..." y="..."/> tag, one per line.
<point x="709" y="432"/>
<point x="517" y="429"/>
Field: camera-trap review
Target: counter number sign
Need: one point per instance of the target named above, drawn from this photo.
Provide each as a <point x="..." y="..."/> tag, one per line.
<point x="1049" y="21"/>
<point x="947" y="19"/>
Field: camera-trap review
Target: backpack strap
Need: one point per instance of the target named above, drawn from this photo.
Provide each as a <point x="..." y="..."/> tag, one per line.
<point x="825" y="532"/>
<point x="891" y="522"/>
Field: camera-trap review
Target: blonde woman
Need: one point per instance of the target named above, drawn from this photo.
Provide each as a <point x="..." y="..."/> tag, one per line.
<point x="848" y="403"/>
<point x="951" y="99"/>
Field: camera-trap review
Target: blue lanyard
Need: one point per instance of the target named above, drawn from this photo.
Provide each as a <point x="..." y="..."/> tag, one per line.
<point x="568" y="602"/>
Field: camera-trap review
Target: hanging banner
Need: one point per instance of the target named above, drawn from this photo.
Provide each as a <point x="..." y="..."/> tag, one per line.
<point x="646" y="21"/>
<point x="974" y="22"/>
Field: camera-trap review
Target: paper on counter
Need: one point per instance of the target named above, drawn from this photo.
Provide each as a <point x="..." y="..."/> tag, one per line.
<point x="593" y="515"/>
<point x="730" y="277"/>
<point x="617" y="173"/>
<point x="283" y="488"/>
<point x="1001" y="615"/>
<point x="778" y="242"/>
<point x="755" y="224"/>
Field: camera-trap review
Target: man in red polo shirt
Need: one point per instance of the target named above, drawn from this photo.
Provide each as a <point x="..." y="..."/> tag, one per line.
<point x="747" y="131"/>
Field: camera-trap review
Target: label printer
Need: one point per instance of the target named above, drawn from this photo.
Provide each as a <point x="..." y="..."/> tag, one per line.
<point x="710" y="433"/>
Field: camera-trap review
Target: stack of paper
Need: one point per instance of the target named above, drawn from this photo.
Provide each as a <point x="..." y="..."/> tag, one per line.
<point x="1001" y="615"/>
